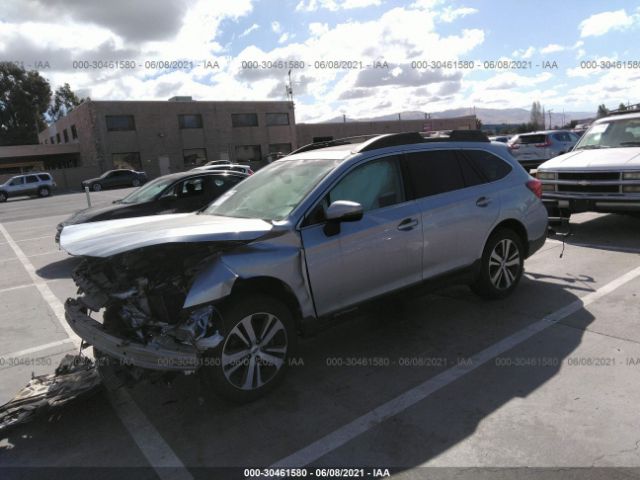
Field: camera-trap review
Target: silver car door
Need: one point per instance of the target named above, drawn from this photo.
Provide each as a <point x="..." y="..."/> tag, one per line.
<point x="369" y="257"/>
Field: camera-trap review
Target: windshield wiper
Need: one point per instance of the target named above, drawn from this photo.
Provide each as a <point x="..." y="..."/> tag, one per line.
<point x="631" y="144"/>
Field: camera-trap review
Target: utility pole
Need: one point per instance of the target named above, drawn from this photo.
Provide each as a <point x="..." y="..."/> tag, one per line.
<point x="289" y="88"/>
<point x="550" y="110"/>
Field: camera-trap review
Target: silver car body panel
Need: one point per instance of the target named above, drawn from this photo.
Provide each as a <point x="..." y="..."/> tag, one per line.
<point x="110" y="237"/>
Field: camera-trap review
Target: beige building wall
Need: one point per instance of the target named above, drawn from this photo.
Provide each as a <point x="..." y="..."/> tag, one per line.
<point x="308" y="132"/>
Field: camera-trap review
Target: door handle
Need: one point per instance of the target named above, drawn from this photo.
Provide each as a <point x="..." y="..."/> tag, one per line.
<point x="483" y="201"/>
<point x="407" y="224"/>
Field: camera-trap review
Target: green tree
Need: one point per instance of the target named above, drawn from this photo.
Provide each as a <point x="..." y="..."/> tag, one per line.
<point x="537" y="116"/>
<point x="622" y="107"/>
<point x="603" y="111"/>
<point x="64" y="100"/>
<point x="24" y="99"/>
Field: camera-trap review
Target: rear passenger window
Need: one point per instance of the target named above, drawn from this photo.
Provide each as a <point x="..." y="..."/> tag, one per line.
<point x="44" y="178"/>
<point x="32" y="179"/>
<point x="434" y="172"/>
<point x="489" y="165"/>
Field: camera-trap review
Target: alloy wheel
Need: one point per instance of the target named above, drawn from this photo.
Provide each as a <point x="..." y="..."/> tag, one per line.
<point x="504" y="264"/>
<point x="254" y="351"/>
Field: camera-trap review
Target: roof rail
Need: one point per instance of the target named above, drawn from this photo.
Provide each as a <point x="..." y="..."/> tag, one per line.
<point x="396" y="139"/>
<point x="334" y="143"/>
<point x="375" y="142"/>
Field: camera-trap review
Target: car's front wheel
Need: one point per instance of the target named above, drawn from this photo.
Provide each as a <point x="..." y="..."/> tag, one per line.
<point x="43" y="192"/>
<point x="501" y="266"/>
<point x="3" y="197"/>
<point x="258" y="339"/>
<point x="135" y="182"/>
<point x="96" y="187"/>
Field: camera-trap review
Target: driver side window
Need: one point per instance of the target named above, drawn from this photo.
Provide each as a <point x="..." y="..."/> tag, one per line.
<point x="376" y="184"/>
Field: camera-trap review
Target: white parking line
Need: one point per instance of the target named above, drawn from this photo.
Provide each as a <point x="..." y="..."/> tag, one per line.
<point x="369" y="420"/>
<point x="157" y="452"/>
<point x="39" y="348"/>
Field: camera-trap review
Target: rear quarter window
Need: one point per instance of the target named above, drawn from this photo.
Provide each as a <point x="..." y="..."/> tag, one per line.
<point x="44" y="178"/>
<point x="489" y="165"/>
<point x="529" y="139"/>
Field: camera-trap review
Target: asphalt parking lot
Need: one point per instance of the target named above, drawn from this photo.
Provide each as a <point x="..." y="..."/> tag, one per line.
<point x="548" y="378"/>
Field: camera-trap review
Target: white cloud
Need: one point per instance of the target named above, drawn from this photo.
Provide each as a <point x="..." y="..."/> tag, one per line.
<point x="252" y="28"/>
<point x="450" y="14"/>
<point x="601" y="23"/>
<point x="283" y="38"/>
<point x="276" y="27"/>
<point x="528" y="53"/>
<point x="334" y="5"/>
<point x="316" y="29"/>
<point x="552" y="48"/>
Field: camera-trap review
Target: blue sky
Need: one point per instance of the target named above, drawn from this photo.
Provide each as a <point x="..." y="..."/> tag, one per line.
<point x="567" y="33"/>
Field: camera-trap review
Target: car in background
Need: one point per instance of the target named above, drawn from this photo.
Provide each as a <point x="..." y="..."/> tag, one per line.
<point x="174" y="193"/>
<point x="601" y="174"/>
<point x="500" y="138"/>
<point x="116" y="178"/>
<point x="532" y="149"/>
<point x="217" y="162"/>
<point x="234" y="167"/>
<point x="305" y="239"/>
<point x="32" y="184"/>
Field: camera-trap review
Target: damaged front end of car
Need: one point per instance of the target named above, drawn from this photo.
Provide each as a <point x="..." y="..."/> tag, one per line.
<point x="142" y="296"/>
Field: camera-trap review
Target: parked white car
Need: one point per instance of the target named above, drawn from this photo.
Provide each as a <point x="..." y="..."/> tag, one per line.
<point x="601" y="174"/>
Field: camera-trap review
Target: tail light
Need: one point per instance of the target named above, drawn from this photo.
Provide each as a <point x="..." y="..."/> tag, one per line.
<point x="547" y="143"/>
<point x="250" y="172"/>
<point x="536" y="187"/>
<point x="513" y="146"/>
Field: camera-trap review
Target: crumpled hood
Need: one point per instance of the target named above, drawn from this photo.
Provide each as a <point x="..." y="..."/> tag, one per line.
<point x="110" y="237"/>
<point x="627" y="158"/>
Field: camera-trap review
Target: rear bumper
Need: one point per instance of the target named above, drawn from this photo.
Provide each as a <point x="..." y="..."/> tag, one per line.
<point x="169" y="356"/>
<point x="536" y="244"/>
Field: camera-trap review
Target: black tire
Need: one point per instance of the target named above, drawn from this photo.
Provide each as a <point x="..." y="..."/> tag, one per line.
<point x="3" y="197"/>
<point x="500" y="269"/>
<point x="96" y="187"/>
<point x="135" y="182"/>
<point x="217" y="363"/>
<point x="44" y="192"/>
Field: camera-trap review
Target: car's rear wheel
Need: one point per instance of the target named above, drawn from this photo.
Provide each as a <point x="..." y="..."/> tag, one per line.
<point x="96" y="187"/>
<point x="501" y="266"/>
<point x="3" y="197"/>
<point x="43" y="192"/>
<point x="258" y="339"/>
<point x="135" y="182"/>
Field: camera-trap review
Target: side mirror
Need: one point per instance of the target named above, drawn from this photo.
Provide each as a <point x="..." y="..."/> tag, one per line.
<point x="341" y="211"/>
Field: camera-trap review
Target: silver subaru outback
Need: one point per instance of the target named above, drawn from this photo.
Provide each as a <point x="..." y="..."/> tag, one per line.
<point x="226" y="291"/>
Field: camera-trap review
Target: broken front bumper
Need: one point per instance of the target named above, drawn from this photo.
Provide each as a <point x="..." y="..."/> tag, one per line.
<point x="156" y="355"/>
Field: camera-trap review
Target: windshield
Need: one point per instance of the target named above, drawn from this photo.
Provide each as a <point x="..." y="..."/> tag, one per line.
<point x="618" y="133"/>
<point x="273" y="192"/>
<point x="148" y="192"/>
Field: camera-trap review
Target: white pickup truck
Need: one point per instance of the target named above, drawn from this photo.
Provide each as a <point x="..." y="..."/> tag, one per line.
<point x="601" y="174"/>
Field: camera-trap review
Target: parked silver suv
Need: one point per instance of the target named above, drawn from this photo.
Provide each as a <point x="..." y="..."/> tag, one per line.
<point x="532" y="149"/>
<point x="327" y="228"/>
<point x="32" y="184"/>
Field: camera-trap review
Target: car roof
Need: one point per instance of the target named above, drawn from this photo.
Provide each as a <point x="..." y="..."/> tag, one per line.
<point x="620" y="116"/>
<point x="200" y="173"/>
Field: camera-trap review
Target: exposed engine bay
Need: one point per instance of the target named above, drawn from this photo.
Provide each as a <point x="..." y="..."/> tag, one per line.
<point x="143" y="291"/>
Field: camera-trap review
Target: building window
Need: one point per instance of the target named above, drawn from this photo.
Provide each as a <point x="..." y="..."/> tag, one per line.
<point x="74" y="132"/>
<point x="277" y="119"/>
<point x="120" y="123"/>
<point x="129" y="160"/>
<point x="248" y="153"/>
<point x="280" y="148"/>
<point x="190" y="121"/>
<point x="65" y="134"/>
<point x="244" y="119"/>
<point x="194" y="156"/>
<point x="57" y="138"/>
<point x="52" y="141"/>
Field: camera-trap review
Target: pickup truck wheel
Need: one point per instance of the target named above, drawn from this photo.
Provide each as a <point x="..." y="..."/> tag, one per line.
<point x="3" y="197"/>
<point x="501" y="266"/>
<point x="96" y="187"/>
<point x="258" y="338"/>
<point x="43" y="192"/>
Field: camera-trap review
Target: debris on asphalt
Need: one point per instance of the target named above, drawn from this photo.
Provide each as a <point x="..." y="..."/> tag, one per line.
<point x="75" y="378"/>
